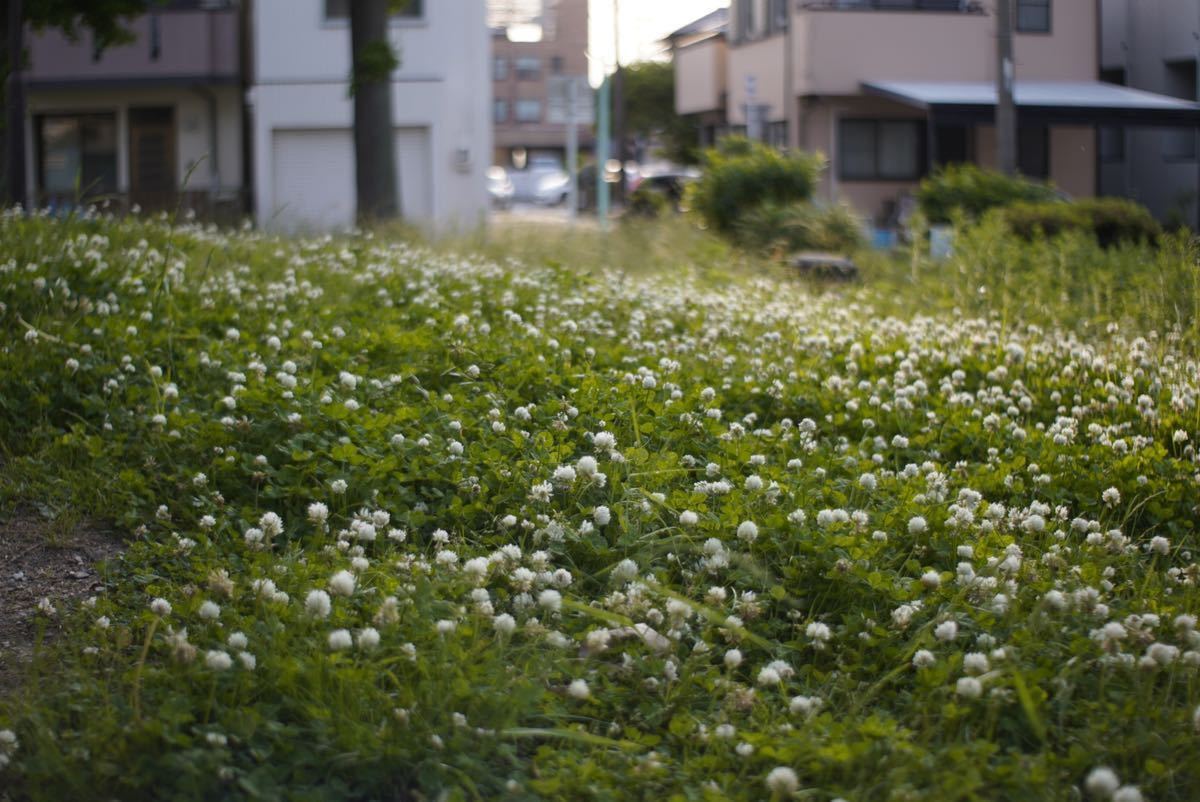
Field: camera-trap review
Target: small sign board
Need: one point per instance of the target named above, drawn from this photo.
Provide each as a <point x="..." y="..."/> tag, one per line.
<point x="558" y="100"/>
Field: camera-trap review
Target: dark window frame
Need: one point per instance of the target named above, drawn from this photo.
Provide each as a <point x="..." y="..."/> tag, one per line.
<point x="524" y="73"/>
<point x="332" y="12"/>
<point x="86" y="187"/>
<point x="1048" y="5"/>
<point x="497" y="105"/>
<point x="876" y="174"/>
<point x="519" y="118"/>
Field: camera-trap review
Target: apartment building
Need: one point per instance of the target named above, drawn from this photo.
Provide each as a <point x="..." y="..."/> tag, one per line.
<point x="1152" y="45"/>
<point x="700" y="50"/>
<point x="235" y="107"/>
<point x="156" y="123"/>
<point x="538" y="47"/>
<point x="889" y="89"/>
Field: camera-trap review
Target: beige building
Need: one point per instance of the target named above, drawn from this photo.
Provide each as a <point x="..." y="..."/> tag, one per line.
<point x="537" y="47"/>
<point x="1152" y="45"/>
<point x="888" y="89"/>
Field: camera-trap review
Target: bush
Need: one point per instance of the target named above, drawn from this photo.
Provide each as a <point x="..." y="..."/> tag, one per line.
<point x="647" y="202"/>
<point x="1111" y="221"/>
<point x="800" y="227"/>
<point x="969" y="190"/>
<point x="741" y="175"/>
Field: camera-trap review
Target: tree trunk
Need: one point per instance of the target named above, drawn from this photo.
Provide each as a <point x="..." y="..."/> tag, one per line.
<point x="14" y="104"/>
<point x="374" y="140"/>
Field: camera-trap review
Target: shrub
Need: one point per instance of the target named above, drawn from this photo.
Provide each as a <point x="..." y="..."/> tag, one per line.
<point x="1111" y="221"/>
<point x="647" y="202"/>
<point x="741" y="175"/>
<point x="800" y="226"/>
<point x="969" y="190"/>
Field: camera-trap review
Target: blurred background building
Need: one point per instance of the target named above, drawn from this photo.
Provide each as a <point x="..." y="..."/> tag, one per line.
<point x="228" y="108"/>
<point x="538" y="47"/>
<point x="890" y="89"/>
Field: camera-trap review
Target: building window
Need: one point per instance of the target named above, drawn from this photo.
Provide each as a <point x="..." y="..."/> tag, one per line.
<point x="77" y="154"/>
<point x="1033" y="151"/>
<point x="556" y="65"/>
<point x="528" y="68"/>
<point x="777" y="134"/>
<point x="1033" y="16"/>
<point x="744" y="18"/>
<point x="880" y="150"/>
<point x="500" y="111"/>
<point x="777" y="16"/>
<point x="499" y="68"/>
<point x="340" y="9"/>
<point x="1111" y="143"/>
<point x="528" y="111"/>
<point x="1179" y="144"/>
<point x="155" y="38"/>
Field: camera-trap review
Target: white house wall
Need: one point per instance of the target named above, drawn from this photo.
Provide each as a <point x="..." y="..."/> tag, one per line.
<point x="441" y="97"/>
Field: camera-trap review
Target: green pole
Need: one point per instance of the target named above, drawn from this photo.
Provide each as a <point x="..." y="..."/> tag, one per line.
<point x="602" y="154"/>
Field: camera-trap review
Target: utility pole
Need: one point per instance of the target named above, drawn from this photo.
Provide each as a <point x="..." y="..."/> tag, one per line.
<point x="1006" y="112"/>
<point x="602" y="153"/>
<point x="619" y="103"/>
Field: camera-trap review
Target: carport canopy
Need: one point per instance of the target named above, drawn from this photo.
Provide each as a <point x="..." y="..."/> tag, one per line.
<point x="1060" y="102"/>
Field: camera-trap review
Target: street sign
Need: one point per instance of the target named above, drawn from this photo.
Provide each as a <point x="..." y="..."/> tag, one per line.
<point x="558" y="103"/>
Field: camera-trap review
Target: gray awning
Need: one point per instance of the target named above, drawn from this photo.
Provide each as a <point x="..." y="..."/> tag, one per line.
<point x="1064" y="102"/>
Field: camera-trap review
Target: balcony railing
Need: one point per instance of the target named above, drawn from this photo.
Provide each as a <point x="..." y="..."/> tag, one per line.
<point x="943" y="6"/>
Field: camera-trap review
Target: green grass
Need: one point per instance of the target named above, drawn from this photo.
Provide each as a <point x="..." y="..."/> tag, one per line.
<point x="204" y="390"/>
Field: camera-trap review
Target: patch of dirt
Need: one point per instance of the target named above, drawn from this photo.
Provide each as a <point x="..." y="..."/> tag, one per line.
<point x="44" y="558"/>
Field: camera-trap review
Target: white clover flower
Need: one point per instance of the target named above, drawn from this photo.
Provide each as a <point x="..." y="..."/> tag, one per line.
<point x="368" y="638"/>
<point x="504" y="624"/>
<point x="916" y="525"/>
<point x="160" y="607"/>
<point x="1160" y="545"/>
<point x="550" y="600"/>
<point x="625" y="570"/>
<point x="587" y="466"/>
<point x="339" y="486"/>
<point x="601" y="515"/>
<point x="218" y="660"/>
<point x="753" y="482"/>
<point x="968" y="688"/>
<point x="732" y="659"/>
<point x="604" y="441"/>
<point x="578" y="689"/>
<point x="688" y="518"/>
<point x="818" y="633"/>
<point x="210" y="611"/>
<point x="768" y="676"/>
<point x="931" y="579"/>
<point x="1111" y="497"/>
<point x="782" y="780"/>
<point x="947" y="631"/>
<point x="340" y="639"/>
<point x="1101" y="782"/>
<point x="317" y="604"/>
<point x="868" y="482"/>
<point x="342" y="584"/>
<point x="747" y="531"/>
<point x="237" y="640"/>
<point x="923" y="659"/>
<point x="1128" y="793"/>
<point x="975" y="663"/>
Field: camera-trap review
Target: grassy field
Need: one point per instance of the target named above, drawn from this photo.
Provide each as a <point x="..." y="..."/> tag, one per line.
<point x="557" y="517"/>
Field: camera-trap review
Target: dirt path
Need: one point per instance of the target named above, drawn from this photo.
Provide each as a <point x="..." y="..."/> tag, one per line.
<point x="43" y="559"/>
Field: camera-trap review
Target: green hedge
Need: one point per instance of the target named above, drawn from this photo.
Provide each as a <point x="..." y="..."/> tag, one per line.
<point x="1111" y="220"/>
<point x="971" y="191"/>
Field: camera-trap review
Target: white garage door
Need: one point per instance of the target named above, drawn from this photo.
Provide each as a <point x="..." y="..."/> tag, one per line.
<point x="314" y="178"/>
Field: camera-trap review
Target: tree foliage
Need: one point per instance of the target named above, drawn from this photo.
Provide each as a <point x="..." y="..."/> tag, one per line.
<point x="650" y="110"/>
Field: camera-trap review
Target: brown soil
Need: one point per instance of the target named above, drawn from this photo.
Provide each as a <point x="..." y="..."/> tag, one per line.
<point x="44" y="559"/>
